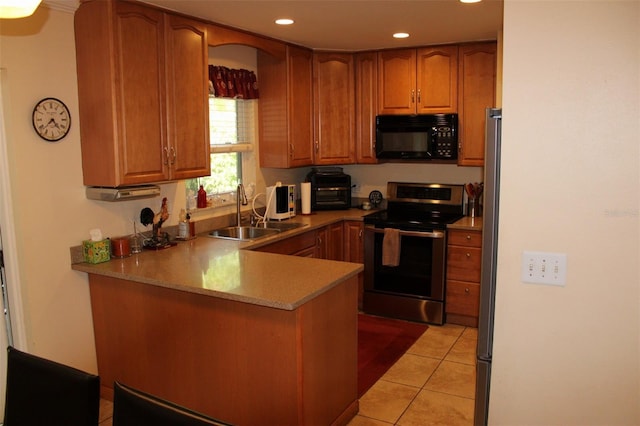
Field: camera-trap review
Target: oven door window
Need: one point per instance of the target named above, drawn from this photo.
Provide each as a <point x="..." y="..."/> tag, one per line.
<point x="420" y="271"/>
<point x="331" y="195"/>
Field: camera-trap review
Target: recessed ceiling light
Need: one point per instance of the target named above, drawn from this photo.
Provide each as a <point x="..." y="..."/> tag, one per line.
<point x="11" y="9"/>
<point x="400" y="35"/>
<point x="284" y="21"/>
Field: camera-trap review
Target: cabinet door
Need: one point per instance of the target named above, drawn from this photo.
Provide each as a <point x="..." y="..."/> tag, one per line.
<point x="354" y="250"/>
<point x="366" y="68"/>
<point x="140" y="84"/>
<point x="329" y="242"/>
<point x="477" y="92"/>
<point x="353" y="241"/>
<point x="333" y="98"/>
<point x="437" y="80"/>
<point x="187" y="150"/>
<point x="300" y="107"/>
<point x="397" y="81"/>
<point x="335" y="242"/>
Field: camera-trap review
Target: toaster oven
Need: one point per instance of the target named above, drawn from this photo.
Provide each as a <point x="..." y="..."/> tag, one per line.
<point x="330" y="189"/>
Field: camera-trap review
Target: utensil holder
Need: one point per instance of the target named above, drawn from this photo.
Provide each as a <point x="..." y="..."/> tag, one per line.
<point x="474" y="208"/>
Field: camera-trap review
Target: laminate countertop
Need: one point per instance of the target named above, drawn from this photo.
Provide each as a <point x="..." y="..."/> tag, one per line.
<point x="230" y="270"/>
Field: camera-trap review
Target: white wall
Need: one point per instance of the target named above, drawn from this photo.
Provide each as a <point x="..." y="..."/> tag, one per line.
<point x="570" y="183"/>
<point x="50" y="209"/>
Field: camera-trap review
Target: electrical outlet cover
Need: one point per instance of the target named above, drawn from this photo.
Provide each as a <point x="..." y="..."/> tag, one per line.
<point x="544" y="268"/>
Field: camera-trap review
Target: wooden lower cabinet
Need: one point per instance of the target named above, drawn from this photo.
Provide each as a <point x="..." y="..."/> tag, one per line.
<point x="238" y="362"/>
<point x="354" y="250"/>
<point x="464" y="256"/>
<point x="321" y="243"/>
<point x="330" y="245"/>
<point x="301" y="245"/>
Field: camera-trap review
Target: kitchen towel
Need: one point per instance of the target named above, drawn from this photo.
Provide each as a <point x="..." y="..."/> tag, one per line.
<point x="305" y="190"/>
<point x="391" y="247"/>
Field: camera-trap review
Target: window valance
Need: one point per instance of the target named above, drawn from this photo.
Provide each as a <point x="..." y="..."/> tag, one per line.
<point x="232" y="83"/>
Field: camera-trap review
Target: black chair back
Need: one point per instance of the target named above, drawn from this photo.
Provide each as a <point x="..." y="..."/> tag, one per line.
<point x="132" y="407"/>
<point x="43" y="392"/>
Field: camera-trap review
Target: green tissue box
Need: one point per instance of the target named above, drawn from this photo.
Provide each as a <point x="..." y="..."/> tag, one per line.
<point x="96" y="251"/>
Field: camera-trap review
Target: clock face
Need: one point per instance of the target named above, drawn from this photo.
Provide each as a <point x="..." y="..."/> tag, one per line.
<point x="51" y="119"/>
<point x="375" y="197"/>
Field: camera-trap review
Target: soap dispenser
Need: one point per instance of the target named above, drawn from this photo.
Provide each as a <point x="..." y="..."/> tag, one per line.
<point x="183" y="226"/>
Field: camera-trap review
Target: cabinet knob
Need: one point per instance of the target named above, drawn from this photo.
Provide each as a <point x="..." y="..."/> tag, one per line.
<point x="468" y="237"/>
<point x="466" y="290"/>
<point x="468" y="255"/>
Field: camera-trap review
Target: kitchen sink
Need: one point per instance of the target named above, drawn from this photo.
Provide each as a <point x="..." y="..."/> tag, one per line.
<point x="247" y="233"/>
<point x="243" y="233"/>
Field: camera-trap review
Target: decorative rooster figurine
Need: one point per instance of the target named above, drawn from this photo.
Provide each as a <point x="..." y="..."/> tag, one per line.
<point x="147" y="217"/>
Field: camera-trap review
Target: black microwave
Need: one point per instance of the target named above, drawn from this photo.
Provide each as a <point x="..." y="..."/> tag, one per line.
<point x="417" y="137"/>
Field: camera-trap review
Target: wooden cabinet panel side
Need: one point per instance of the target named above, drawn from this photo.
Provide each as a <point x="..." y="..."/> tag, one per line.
<point x="98" y="119"/>
<point x="274" y="119"/>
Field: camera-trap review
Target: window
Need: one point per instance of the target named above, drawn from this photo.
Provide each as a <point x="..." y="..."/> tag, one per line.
<point x="232" y="132"/>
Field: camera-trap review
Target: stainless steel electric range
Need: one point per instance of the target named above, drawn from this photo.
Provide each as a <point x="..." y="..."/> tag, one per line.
<point x="412" y="286"/>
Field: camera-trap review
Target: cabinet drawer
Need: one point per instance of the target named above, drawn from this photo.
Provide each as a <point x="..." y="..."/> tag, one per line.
<point x="462" y="298"/>
<point x="459" y="237"/>
<point x="463" y="263"/>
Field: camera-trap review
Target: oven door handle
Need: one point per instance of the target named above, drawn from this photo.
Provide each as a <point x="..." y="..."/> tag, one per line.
<point x="332" y="188"/>
<point x="420" y="234"/>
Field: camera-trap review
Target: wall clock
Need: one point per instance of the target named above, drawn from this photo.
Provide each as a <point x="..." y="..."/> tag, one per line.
<point x="375" y="197"/>
<point x="51" y="119"/>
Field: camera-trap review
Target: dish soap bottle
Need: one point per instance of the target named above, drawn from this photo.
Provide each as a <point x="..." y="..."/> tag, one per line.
<point x="183" y="226"/>
<point x="202" y="197"/>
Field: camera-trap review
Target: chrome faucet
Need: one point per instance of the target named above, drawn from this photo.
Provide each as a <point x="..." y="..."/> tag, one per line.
<point x="241" y="198"/>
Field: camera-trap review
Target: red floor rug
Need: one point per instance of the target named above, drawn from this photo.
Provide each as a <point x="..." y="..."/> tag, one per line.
<point x="381" y="342"/>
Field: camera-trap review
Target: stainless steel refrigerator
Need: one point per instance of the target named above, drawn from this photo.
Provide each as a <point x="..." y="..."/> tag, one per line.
<point x="489" y="257"/>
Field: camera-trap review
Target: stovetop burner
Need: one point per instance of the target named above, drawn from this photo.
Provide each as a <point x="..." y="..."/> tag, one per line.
<point x="419" y="206"/>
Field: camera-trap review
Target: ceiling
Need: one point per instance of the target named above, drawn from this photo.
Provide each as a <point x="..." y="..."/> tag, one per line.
<point x="353" y="25"/>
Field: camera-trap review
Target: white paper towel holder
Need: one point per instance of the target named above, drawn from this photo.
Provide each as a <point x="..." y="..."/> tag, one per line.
<point x="305" y="198"/>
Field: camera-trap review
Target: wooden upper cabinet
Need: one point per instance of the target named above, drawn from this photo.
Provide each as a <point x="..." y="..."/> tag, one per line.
<point x="397" y="81"/>
<point x="333" y="101"/>
<point x="188" y="109"/>
<point x="286" y="126"/>
<point x="138" y="123"/>
<point x="418" y="81"/>
<point x="366" y="107"/>
<point x="477" y="92"/>
<point x="437" y="80"/>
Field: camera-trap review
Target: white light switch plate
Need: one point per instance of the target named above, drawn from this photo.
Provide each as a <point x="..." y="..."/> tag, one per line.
<point x="544" y="268"/>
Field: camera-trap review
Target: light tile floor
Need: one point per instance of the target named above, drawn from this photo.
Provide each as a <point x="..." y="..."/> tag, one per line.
<point x="433" y="383"/>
